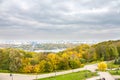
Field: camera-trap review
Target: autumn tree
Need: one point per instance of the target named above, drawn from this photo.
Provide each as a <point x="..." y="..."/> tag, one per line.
<point x="48" y="66"/>
<point x="28" y="69"/>
<point x="54" y="60"/>
<point x="42" y="66"/>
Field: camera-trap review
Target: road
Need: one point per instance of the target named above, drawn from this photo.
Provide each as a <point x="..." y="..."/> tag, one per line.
<point x="92" y="67"/>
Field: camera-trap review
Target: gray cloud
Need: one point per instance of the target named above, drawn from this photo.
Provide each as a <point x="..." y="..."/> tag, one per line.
<point x="56" y="19"/>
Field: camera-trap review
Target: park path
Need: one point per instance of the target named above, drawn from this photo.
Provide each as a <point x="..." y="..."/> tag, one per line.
<point x="6" y="76"/>
<point x="92" y="67"/>
<point x="105" y="75"/>
<point x="116" y="76"/>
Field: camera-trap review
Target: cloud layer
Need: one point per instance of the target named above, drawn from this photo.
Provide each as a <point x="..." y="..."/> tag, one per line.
<point x="60" y="19"/>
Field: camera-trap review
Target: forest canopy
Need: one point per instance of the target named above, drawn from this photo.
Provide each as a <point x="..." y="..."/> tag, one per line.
<point x="16" y="60"/>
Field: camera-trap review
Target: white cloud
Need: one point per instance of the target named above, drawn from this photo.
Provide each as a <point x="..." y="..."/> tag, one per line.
<point x="60" y="19"/>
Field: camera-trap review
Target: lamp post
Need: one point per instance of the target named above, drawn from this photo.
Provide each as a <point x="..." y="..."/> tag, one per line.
<point x="11" y="75"/>
<point x="86" y="73"/>
<point x="36" y="76"/>
<point x="55" y="71"/>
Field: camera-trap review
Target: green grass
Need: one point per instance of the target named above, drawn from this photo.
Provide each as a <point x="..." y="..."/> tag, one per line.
<point x="82" y="75"/>
<point x="112" y="65"/>
<point x="4" y="71"/>
<point x="114" y="72"/>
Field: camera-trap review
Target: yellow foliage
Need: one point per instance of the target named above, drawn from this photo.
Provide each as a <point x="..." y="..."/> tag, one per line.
<point x="36" y="68"/>
<point x="42" y="66"/>
<point x="102" y="66"/>
<point x="28" y="69"/>
<point x="26" y="61"/>
<point x="54" y="59"/>
<point x="82" y="65"/>
<point x="65" y="55"/>
<point x="79" y="55"/>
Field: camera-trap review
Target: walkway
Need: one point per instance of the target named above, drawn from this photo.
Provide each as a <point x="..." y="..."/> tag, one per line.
<point x="6" y="76"/>
<point x="116" y="76"/>
<point x="106" y="75"/>
<point x="92" y="67"/>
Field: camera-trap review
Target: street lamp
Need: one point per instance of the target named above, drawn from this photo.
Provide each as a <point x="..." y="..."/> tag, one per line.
<point x="86" y="73"/>
<point x="36" y="75"/>
<point x="11" y="75"/>
<point x="55" y="72"/>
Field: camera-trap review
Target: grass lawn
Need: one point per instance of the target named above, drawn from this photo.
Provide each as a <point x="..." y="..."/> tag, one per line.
<point x="112" y="65"/>
<point x="82" y="75"/>
<point x="115" y="72"/>
<point x="4" y="71"/>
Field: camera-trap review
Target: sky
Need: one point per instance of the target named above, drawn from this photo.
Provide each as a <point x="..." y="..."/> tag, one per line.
<point x="59" y="19"/>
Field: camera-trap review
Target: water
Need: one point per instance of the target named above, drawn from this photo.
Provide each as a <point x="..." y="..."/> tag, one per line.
<point x="54" y="50"/>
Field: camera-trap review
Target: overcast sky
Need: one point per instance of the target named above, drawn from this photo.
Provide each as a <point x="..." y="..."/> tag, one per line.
<point x="59" y="19"/>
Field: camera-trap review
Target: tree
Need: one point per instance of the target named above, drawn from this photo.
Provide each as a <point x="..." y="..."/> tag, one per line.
<point x="95" y="56"/>
<point x="4" y="59"/>
<point x="113" y="51"/>
<point x="74" y="64"/>
<point x="36" y="68"/>
<point x="28" y="69"/>
<point x="63" y="64"/>
<point x="48" y="66"/>
<point x="54" y="60"/>
<point x="42" y="66"/>
<point x="15" y="60"/>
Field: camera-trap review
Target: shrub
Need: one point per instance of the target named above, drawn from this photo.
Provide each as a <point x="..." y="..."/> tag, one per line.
<point x="102" y="66"/>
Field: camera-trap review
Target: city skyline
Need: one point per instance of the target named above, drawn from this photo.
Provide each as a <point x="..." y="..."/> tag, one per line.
<point x="60" y="20"/>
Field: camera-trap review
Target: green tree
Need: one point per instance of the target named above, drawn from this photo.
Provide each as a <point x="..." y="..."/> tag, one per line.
<point x="4" y="59"/>
<point x="48" y="66"/>
<point x="113" y="52"/>
<point x="15" y="59"/>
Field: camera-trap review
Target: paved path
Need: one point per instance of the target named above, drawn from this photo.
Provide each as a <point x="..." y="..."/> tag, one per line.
<point x="6" y="76"/>
<point x="92" y="67"/>
<point x="116" y="76"/>
<point x="106" y="75"/>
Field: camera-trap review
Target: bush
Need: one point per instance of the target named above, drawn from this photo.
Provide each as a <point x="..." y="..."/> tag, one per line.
<point x="102" y="66"/>
<point x="117" y="61"/>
